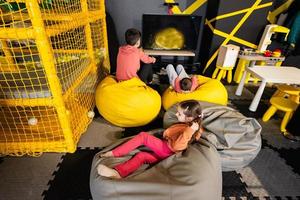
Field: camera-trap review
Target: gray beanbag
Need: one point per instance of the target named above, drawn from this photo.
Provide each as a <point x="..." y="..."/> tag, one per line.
<point x="236" y="137"/>
<point x="194" y="174"/>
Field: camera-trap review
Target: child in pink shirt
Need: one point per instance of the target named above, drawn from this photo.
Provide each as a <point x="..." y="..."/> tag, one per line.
<point x="129" y="58"/>
<point x="180" y="80"/>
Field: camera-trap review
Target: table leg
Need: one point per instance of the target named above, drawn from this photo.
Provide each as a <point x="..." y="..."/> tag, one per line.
<point x="255" y="101"/>
<point x="239" y="90"/>
<point x="252" y="63"/>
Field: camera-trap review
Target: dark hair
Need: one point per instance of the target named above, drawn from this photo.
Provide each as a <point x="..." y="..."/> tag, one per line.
<point x="132" y="35"/>
<point x="192" y="108"/>
<point x="185" y="84"/>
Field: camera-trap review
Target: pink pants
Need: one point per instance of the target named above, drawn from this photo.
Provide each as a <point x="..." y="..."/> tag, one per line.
<point x="160" y="151"/>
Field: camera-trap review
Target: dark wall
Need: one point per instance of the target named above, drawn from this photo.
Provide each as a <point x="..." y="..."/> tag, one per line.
<point x="128" y="13"/>
<point x="250" y="31"/>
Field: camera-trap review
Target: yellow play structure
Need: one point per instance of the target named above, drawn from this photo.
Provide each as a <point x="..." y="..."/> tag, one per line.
<point x="52" y="53"/>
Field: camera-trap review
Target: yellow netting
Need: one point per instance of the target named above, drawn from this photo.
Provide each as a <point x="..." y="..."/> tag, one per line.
<point x="51" y="58"/>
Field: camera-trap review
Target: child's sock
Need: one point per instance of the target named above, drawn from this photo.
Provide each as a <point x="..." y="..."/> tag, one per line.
<point x="108" y="172"/>
<point x="107" y="154"/>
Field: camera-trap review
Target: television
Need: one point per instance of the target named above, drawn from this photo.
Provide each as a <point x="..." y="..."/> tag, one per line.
<point x="171" y="32"/>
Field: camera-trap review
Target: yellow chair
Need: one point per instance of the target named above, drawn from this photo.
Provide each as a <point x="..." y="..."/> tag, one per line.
<point x="220" y="73"/>
<point x="284" y="104"/>
<point x="287" y="91"/>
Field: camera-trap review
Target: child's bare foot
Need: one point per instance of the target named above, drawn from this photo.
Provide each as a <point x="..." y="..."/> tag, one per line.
<point x="107" y="154"/>
<point x="108" y="172"/>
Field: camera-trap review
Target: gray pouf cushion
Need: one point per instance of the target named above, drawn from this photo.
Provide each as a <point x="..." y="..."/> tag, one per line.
<point x="190" y="175"/>
<point x="236" y="137"/>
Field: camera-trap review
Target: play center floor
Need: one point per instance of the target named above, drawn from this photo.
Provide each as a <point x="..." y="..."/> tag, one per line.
<point x="273" y="174"/>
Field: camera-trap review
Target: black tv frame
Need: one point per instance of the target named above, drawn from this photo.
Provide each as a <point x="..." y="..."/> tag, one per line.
<point x="199" y="38"/>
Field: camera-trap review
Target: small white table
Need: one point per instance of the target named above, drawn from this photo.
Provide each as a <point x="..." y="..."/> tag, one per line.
<point x="268" y="74"/>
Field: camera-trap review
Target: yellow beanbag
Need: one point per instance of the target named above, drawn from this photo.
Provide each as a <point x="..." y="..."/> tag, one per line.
<point x="128" y="103"/>
<point x="209" y="90"/>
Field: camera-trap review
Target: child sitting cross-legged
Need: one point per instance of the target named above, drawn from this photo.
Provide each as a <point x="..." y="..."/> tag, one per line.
<point x="175" y="139"/>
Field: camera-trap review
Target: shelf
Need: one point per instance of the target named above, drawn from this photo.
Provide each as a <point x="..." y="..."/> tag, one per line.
<point x="169" y="53"/>
<point x="260" y="57"/>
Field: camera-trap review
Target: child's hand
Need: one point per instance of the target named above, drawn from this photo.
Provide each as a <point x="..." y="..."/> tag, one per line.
<point x="154" y="59"/>
<point x="195" y="126"/>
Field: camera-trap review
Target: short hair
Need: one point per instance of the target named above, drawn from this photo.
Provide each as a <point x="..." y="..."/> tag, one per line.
<point x="185" y="84"/>
<point x="132" y="35"/>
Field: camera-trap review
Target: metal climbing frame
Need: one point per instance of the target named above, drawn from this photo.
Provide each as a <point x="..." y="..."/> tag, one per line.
<point x="51" y="55"/>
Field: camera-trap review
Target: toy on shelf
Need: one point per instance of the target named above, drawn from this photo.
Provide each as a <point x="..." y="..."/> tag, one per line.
<point x="250" y="58"/>
<point x="50" y="54"/>
<point x="270" y="29"/>
<point x="261" y="56"/>
<point x="276" y="53"/>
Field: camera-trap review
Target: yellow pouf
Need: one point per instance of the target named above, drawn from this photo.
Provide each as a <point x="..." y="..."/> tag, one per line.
<point x="210" y="90"/>
<point x="128" y="103"/>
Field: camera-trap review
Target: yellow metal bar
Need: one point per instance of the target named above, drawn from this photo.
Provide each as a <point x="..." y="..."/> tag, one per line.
<point x="47" y="59"/>
<point x="236" y="28"/>
<point x="238" y="12"/>
<point x="66" y="25"/>
<point x="88" y="35"/>
<point x="16" y="16"/>
<point x="8" y="68"/>
<point x="235" y="39"/>
<point x="60" y="17"/>
<point x="105" y="39"/>
<point x="96" y="15"/>
<point x="17" y="1"/>
<point x="175" y="9"/>
<point x="63" y="27"/>
<point x="26" y="102"/>
<point x="9" y="148"/>
<point x="65" y="51"/>
<point x="272" y="15"/>
<point x="70" y="51"/>
<point x="16" y="33"/>
<point x="194" y="6"/>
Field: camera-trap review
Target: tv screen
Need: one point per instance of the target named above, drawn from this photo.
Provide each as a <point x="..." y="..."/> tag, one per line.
<point x="170" y="32"/>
